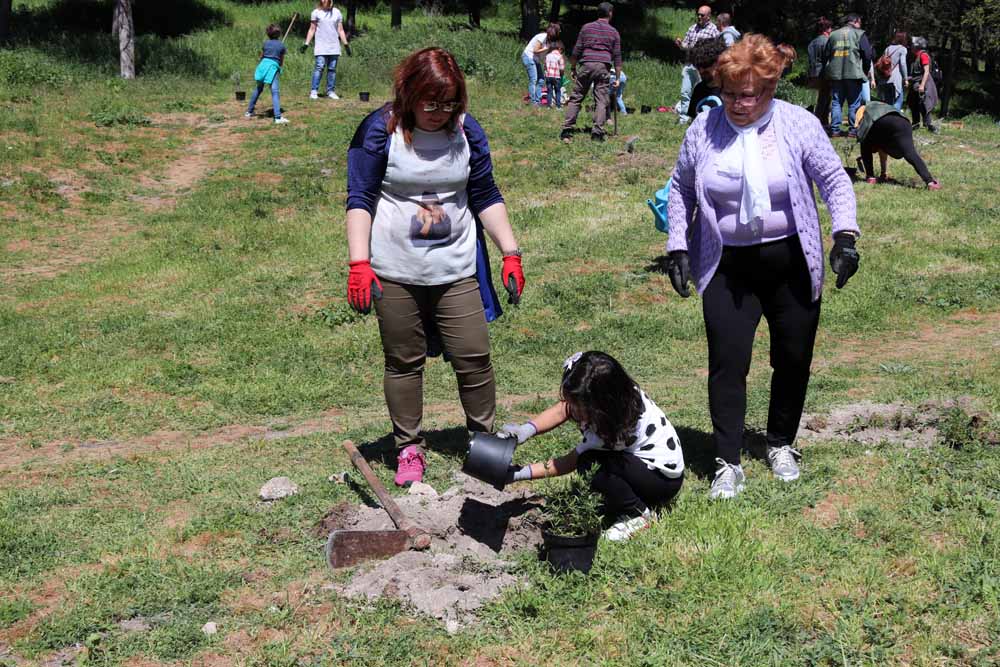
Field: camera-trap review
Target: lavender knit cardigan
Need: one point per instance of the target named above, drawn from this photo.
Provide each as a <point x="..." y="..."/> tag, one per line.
<point x="808" y="158"/>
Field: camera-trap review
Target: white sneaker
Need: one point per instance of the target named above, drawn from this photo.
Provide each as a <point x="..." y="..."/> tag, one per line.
<point x="626" y="527"/>
<point x="248" y="115"/>
<point x="729" y="480"/>
<point x="313" y="95"/>
<point x="280" y="121"/>
<point x="333" y="96"/>
<point x="783" y="462"/>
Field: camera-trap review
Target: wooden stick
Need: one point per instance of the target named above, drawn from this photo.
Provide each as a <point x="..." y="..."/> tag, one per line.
<point x="290" y="24"/>
<point x="420" y="539"/>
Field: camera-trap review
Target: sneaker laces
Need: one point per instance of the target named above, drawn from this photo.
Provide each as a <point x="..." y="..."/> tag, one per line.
<point x="409" y="458"/>
<point x="726" y="474"/>
<point x="783" y="456"/>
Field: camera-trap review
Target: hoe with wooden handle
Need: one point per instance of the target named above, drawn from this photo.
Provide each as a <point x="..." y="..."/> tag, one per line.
<point x="345" y="548"/>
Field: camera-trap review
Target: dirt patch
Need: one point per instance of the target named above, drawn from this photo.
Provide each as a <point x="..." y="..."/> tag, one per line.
<point x="873" y="423"/>
<point x="217" y="143"/>
<point x="474" y="529"/>
<point x="826" y="513"/>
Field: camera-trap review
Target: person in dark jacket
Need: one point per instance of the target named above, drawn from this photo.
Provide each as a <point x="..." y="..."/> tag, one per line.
<point x="706" y="94"/>
<point x="884" y="130"/>
<point x="420" y="195"/>
<point x="923" y="95"/>
<point x="817" y="79"/>
<point x="847" y="61"/>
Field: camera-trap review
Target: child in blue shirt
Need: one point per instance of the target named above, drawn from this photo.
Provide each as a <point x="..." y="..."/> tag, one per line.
<point x="272" y="56"/>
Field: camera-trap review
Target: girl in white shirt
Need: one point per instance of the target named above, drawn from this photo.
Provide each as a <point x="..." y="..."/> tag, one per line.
<point x="635" y="449"/>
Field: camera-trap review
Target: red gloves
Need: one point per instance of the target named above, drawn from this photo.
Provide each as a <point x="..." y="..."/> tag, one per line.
<point x="361" y="282"/>
<point x="513" y="277"/>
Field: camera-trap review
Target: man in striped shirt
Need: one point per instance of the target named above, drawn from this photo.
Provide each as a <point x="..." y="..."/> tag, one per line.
<point x="703" y="29"/>
<point x="597" y="47"/>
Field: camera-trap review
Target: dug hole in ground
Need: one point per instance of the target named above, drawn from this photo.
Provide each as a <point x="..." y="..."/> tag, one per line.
<point x="474" y="530"/>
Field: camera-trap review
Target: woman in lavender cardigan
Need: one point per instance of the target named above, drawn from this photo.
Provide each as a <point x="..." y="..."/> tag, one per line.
<point x="744" y="226"/>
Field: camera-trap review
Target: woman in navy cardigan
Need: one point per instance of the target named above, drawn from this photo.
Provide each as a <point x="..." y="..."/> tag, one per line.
<point x="420" y="192"/>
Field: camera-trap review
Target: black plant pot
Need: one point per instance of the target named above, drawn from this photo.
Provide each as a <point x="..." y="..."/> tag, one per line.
<point x="489" y="458"/>
<point x="569" y="554"/>
<point x="645" y="108"/>
<point x="363" y="96"/>
<point x="241" y="95"/>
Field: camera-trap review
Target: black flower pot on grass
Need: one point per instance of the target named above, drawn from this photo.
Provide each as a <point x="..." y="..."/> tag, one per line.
<point x="241" y="95"/>
<point x="364" y="96"/>
<point x="569" y="554"/>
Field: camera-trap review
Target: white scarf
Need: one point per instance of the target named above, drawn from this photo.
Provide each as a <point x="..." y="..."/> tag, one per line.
<point x="744" y="156"/>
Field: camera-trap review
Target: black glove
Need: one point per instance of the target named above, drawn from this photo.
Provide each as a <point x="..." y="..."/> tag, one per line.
<point x="303" y="47"/>
<point x="347" y="49"/>
<point x="679" y="270"/>
<point x="844" y="258"/>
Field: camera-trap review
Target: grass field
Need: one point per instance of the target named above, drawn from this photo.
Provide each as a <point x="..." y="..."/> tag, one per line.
<point x="174" y="332"/>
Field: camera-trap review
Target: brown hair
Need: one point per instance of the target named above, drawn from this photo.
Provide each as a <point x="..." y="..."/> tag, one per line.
<point x="426" y="74"/>
<point x="823" y="24"/>
<point x="902" y="38"/>
<point x="552" y="32"/>
<point x="754" y="56"/>
<point x="273" y="31"/>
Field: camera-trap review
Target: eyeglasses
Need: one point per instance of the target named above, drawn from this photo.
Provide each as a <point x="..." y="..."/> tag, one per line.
<point x="703" y="16"/>
<point x="741" y="99"/>
<point x="447" y="107"/>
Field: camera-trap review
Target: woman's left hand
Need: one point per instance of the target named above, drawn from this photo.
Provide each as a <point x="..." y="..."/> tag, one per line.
<point x="513" y="277"/>
<point x="844" y="259"/>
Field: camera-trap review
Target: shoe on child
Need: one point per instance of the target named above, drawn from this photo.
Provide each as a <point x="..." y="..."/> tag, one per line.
<point x="626" y="527"/>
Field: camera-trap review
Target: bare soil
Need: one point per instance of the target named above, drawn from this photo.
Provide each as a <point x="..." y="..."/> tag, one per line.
<point x="474" y="528"/>
<point x="872" y="423"/>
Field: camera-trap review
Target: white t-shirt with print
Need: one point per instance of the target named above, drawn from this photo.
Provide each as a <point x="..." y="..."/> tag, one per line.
<point x="654" y="441"/>
<point x="423" y="232"/>
<point x="327" y="34"/>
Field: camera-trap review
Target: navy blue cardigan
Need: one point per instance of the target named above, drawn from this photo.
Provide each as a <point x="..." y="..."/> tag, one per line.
<point x="366" y="162"/>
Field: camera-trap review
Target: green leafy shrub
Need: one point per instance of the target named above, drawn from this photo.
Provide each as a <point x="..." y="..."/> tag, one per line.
<point x="24" y="69"/>
<point x="113" y="113"/>
<point x="571" y="507"/>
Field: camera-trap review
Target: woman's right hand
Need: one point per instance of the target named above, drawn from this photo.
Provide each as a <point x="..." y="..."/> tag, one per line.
<point x="679" y="270"/>
<point x="362" y="285"/>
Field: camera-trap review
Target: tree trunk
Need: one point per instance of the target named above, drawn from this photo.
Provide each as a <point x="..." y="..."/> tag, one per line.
<point x="474" y="13"/>
<point x="397" y="14"/>
<point x="529" y="18"/>
<point x="350" y="24"/>
<point x="950" y="72"/>
<point x="4" y="19"/>
<point x="126" y="37"/>
<point x="555" y="11"/>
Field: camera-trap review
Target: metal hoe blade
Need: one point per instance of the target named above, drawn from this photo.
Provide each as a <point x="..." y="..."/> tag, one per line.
<point x="345" y="548"/>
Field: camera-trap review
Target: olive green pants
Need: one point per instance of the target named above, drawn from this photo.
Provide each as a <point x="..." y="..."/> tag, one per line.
<point x="457" y="311"/>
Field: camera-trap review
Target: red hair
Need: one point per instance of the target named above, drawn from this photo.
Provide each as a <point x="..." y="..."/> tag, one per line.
<point x="427" y="74"/>
<point x="754" y="56"/>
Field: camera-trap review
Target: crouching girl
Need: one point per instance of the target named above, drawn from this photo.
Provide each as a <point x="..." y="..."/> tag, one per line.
<point x="626" y="437"/>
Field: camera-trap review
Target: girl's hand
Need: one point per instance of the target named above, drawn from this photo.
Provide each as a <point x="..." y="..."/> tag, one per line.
<point x="520" y="431"/>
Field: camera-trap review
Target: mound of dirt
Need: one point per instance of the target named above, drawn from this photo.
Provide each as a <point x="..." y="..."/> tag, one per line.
<point x="474" y="528"/>
<point x="871" y="423"/>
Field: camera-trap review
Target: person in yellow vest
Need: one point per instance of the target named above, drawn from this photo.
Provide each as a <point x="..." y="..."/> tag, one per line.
<point x="847" y="62"/>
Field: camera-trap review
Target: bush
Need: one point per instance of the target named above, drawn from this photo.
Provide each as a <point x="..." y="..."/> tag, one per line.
<point x="117" y="113"/>
<point x="25" y="69"/>
<point x="572" y="508"/>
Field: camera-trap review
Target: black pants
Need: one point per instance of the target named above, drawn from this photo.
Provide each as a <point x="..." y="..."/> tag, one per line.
<point x="894" y="135"/>
<point x="918" y="109"/>
<point x="772" y="280"/>
<point x="628" y="486"/>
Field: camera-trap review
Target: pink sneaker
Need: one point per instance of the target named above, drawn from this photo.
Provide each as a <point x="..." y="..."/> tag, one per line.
<point x="933" y="185"/>
<point x="410" y="466"/>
